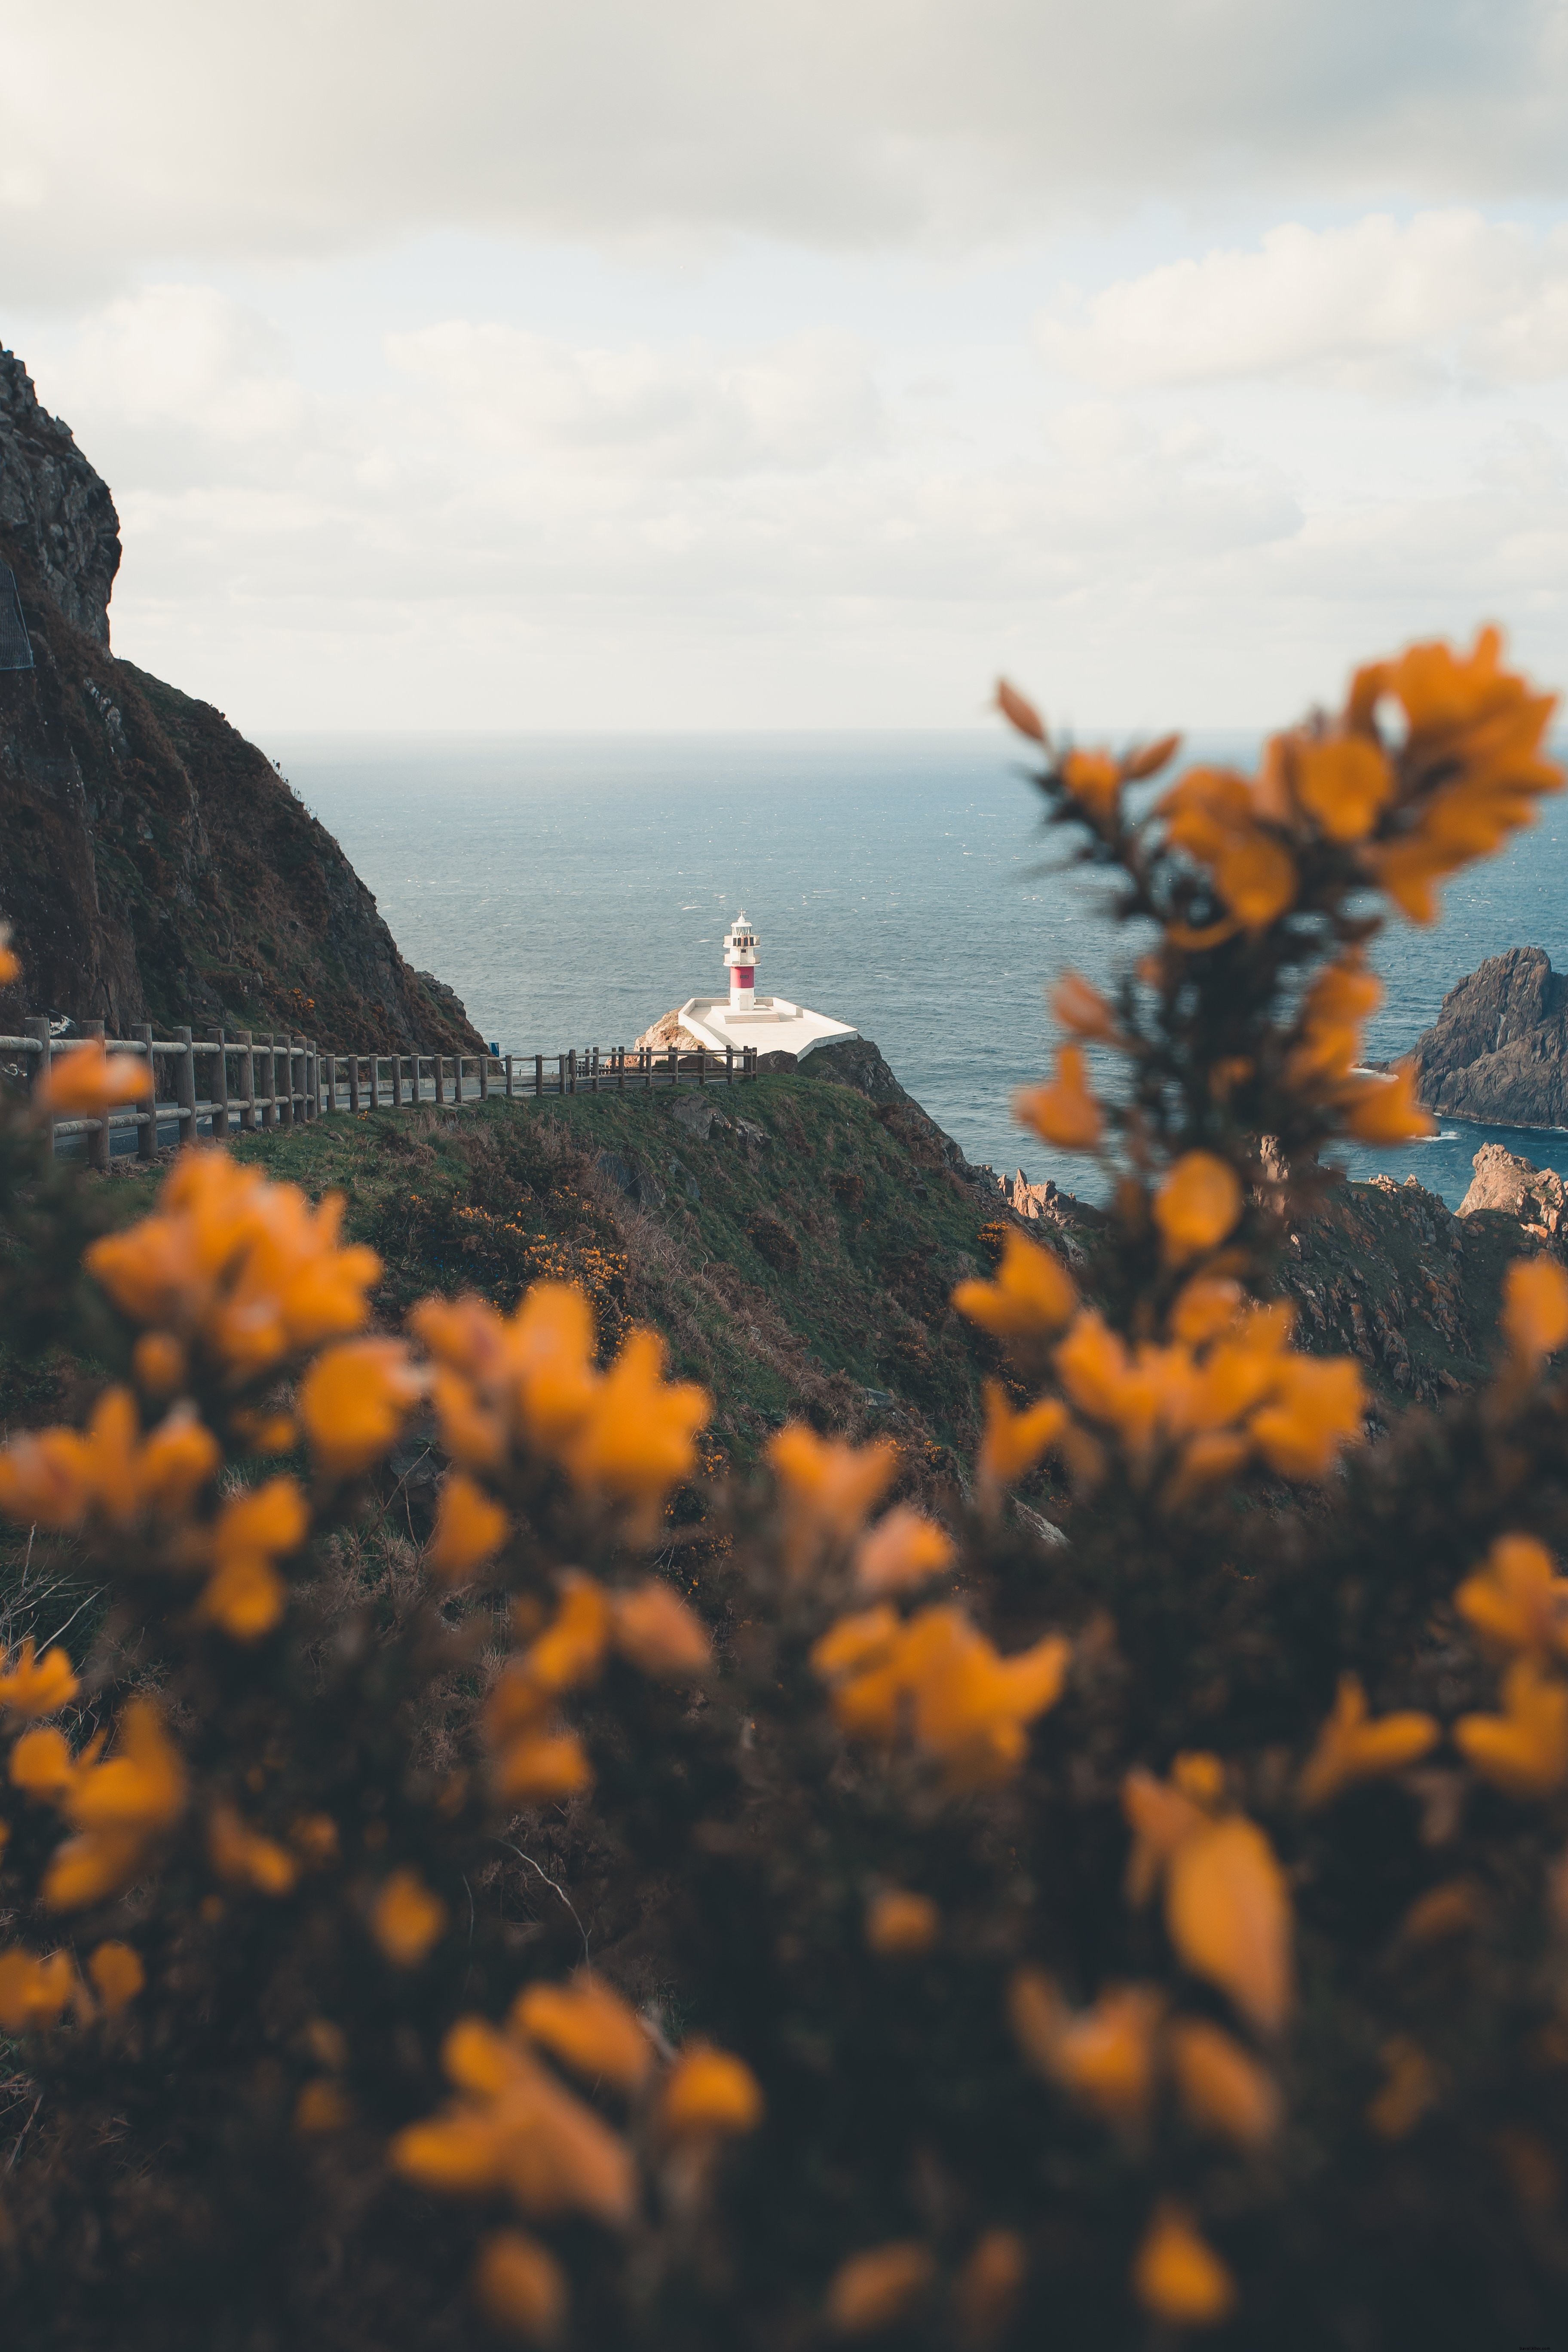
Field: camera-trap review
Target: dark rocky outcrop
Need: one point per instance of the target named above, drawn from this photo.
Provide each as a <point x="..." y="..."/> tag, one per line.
<point x="156" y="865"/>
<point x="1497" y="1051"/>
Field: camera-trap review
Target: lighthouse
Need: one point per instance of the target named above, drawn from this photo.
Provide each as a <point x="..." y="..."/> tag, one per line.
<point x="740" y="956"/>
<point x="744" y="1022"/>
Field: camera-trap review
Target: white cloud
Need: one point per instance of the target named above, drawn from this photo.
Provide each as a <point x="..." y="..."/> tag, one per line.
<point x="179" y="129"/>
<point x="800" y="404"/>
<point x="1381" y="306"/>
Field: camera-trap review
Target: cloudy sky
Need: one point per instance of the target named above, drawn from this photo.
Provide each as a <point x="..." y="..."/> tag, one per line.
<point x="512" y="365"/>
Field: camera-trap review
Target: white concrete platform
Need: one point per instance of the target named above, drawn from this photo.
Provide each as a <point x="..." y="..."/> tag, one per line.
<point x="773" y="1025"/>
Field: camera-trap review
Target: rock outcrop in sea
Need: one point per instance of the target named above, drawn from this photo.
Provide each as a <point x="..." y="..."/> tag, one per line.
<point x="157" y="867"/>
<point x="1497" y="1051"/>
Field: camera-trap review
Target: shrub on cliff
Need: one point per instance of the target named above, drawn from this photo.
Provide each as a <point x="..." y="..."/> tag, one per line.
<point x="947" y="1944"/>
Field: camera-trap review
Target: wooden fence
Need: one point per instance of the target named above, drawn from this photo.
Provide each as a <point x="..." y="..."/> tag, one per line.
<point x="255" y="1083"/>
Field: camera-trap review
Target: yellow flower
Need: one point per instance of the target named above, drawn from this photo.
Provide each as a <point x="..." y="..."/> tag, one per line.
<point x="1222" y="2087"/>
<point x="1317" y="1411"/>
<point x="1344" y="781"/>
<point x="872" y="2290"/>
<point x="1523" y="1751"/>
<point x="10" y="963"/>
<point x="521" y="2287"/>
<point x="245" y="1594"/>
<point x="1081" y="1010"/>
<point x="1032" y="1295"/>
<point x="160" y="1362"/>
<point x="1197" y="1205"/>
<point x="248" y="1269"/>
<point x="470" y="1527"/>
<point x="243" y="1858"/>
<point x="829" y="1488"/>
<point x="1019" y="712"/>
<point x="1162" y="1814"/>
<point x="1409" y="2088"/>
<point x="542" y="1768"/>
<point x="1213" y="815"/>
<point x="406" y="1919"/>
<point x="1227" y="1912"/>
<point x="898" y="1923"/>
<point x="1536" y="1308"/>
<point x="516" y="2128"/>
<point x="1343" y="997"/>
<point x="118" y="1976"/>
<point x="33" y="1992"/>
<point x="353" y="1401"/>
<point x="903" y="1549"/>
<point x="119" y="1807"/>
<point x="1384" y="1109"/>
<point x="32" y="1687"/>
<point x="87" y="1081"/>
<point x="58" y="1477"/>
<point x="654" y="1630"/>
<point x="1063" y="1112"/>
<point x="709" y="2094"/>
<point x="1014" y="1441"/>
<point x="636" y="1438"/>
<point x="1351" y="1746"/>
<point x="965" y="1705"/>
<point x="588" y="2028"/>
<point x="1178" y="2277"/>
<point x="1515" y="1601"/>
<point x="1094" y="778"/>
<point x="986" y="2291"/>
<point x="1103" y="2055"/>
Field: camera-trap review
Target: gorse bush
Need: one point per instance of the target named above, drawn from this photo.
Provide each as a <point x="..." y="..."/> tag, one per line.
<point x="893" y="1929"/>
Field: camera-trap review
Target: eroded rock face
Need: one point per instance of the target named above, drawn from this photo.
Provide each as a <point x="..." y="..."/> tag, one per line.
<point x="1502" y="1180"/>
<point x="1497" y="1051"/>
<point x="669" y="1030"/>
<point x="156" y="866"/>
<point x="56" y="505"/>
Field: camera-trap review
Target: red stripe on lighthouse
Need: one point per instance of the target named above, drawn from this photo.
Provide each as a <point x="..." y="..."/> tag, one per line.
<point x="743" y="974"/>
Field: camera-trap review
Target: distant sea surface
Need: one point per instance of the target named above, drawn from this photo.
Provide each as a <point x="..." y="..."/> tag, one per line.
<point x="573" y="888"/>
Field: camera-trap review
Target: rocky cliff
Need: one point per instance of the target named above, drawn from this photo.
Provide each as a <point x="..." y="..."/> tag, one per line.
<point x="1497" y="1051"/>
<point x="156" y="867"/>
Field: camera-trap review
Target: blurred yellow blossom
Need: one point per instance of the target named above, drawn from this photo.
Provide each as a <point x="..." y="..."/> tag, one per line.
<point x="521" y="2287"/>
<point x="657" y="1632"/>
<point x="828" y="1488"/>
<point x="1222" y="2086"/>
<point x="962" y="1702"/>
<point x="1178" y="2277"/>
<point x="117" y="1975"/>
<point x="470" y="1527"/>
<point x="1063" y="1111"/>
<point x="33" y="1992"/>
<point x="1104" y="2056"/>
<point x="407" y="1919"/>
<point x="904" y="1548"/>
<point x="1353" y="1747"/>
<point x="242" y="1858"/>
<point x="588" y="2028"/>
<point x="1032" y="1296"/>
<point x="1013" y="1442"/>
<point x="873" y="2289"/>
<point x="245" y="1594"/>
<point x="1536" y="1308"/>
<point x="32" y="1687"/>
<point x="899" y="1922"/>
<point x="1515" y="1599"/>
<point x="1523" y="1751"/>
<point x="1229" y="1913"/>
<point x="119" y="1807"/>
<point x="355" y="1399"/>
<point x="86" y="1081"/>
<point x="707" y="2094"/>
<point x="1197" y="1205"/>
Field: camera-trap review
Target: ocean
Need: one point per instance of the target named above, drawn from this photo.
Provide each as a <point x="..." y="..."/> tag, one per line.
<point x="573" y="888"/>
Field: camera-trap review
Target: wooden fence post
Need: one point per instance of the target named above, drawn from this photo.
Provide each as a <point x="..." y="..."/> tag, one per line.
<point x="572" y="1070"/>
<point x="438" y="1064"/>
<point x="98" y="1142"/>
<point x="353" y="1082"/>
<point x="729" y="1066"/>
<point x="538" y="1075"/>
<point x="508" y="1067"/>
<point x="186" y="1086"/>
<point x="245" y="1050"/>
<point x="645" y="1056"/>
<point x="39" y="1065"/>
<point x="217" y="1083"/>
<point x="485" y="1076"/>
<point x="620" y="1069"/>
<point x="147" y="1137"/>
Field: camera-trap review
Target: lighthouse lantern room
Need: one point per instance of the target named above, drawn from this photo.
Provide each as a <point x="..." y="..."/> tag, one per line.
<point x="740" y="956"/>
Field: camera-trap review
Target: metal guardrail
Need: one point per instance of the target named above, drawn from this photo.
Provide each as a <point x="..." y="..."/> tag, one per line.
<point x="279" y="1081"/>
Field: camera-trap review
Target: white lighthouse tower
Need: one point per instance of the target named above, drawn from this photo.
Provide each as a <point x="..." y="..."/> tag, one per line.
<point x="744" y="1021"/>
<point x="740" y="956"/>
